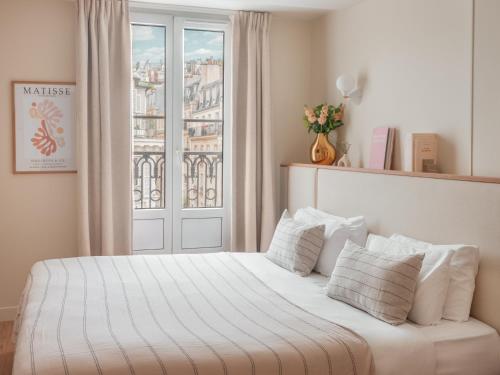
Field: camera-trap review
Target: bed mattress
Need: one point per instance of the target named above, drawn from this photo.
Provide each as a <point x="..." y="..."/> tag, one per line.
<point x="471" y="347"/>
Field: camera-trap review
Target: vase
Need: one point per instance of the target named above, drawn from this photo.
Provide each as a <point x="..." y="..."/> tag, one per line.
<point x="322" y="151"/>
<point x="344" y="160"/>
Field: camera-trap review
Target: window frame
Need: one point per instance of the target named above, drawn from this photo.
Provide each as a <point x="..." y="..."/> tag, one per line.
<point x="173" y="213"/>
<point x="166" y="21"/>
<point x="181" y="24"/>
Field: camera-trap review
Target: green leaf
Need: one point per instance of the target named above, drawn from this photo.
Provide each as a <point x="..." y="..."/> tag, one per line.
<point x="330" y="125"/>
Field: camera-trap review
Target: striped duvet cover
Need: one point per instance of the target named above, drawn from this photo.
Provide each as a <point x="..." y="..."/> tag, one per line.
<point x="172" y="315"/>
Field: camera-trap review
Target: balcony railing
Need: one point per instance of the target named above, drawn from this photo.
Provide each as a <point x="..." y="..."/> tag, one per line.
<point x="201" y="180"/>
<point x="149" y="183"/>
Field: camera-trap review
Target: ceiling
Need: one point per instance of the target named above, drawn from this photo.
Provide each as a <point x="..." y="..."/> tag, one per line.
<point x="292" y="6"/>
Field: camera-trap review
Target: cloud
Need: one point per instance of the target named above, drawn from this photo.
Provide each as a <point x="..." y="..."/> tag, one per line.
<point x="143" y="33"/>
<point x="202" y="52"/>
<point x="216" y="41"/>
<point x="154" y="54"/>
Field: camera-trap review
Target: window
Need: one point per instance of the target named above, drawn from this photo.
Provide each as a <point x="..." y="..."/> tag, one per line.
<point x="148" y="114"/>
<point x="179" y="129"/>
<point x="203" y="74"/>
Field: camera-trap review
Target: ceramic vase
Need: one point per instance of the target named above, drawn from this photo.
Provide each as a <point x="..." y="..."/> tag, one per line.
<point x="322" y="151"/>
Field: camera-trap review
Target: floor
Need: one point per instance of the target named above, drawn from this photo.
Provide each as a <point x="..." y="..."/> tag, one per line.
<point x="6" y="348"/>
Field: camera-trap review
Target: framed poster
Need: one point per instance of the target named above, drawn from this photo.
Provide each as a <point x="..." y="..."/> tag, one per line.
<point x="44" y="127"/>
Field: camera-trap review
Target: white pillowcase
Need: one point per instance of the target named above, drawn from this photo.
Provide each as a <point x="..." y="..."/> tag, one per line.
<point x="295" y="245"/>
<point x="463" y="270"/>
<point x="337" y="231"/>
<point x="381" y="284"/>
<point x="433" y="280"/>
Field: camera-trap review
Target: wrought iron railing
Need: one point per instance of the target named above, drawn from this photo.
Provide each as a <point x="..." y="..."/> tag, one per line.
<point x="201" y="182"/>
<point x="149" y="182"/>
<point x="202" y="179"/>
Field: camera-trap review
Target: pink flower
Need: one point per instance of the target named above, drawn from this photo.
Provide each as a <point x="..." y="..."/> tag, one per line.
<point x="339" y="115"/>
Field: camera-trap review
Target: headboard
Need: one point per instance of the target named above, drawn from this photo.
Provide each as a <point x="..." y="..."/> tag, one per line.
<point x="432" y="209"/>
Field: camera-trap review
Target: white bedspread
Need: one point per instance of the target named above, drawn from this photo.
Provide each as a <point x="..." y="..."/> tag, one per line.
<point x="181" y="315"/>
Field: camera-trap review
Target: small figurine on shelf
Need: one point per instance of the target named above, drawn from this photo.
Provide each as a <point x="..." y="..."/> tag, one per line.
<point x="344" y="160"/>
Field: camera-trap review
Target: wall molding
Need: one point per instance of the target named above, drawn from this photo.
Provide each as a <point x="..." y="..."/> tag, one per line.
<point x="472" y="83"/>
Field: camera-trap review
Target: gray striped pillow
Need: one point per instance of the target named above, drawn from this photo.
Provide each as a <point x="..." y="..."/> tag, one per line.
<point x="296" y="246"/>
<point x="381" y="284"/>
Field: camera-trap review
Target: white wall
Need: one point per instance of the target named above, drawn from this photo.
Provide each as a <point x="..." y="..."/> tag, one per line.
<point x="413" y="58"/>
<point x="37" y="212"/>
<point x="291" y="65"/>
<point x="486" y="135"/>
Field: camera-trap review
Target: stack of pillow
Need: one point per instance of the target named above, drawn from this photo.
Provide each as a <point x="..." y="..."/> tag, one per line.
<point x="393" y="279"/>
<point x="446" y="283"/>
<point x="295" y="245"/>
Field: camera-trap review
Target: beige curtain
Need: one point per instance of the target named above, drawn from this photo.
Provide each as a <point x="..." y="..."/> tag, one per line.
<point x="253" y="187"/>
<point x="103" y="121"/>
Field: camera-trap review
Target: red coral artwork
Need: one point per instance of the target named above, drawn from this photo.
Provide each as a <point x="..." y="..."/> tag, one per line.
<point x="50" y="135"/>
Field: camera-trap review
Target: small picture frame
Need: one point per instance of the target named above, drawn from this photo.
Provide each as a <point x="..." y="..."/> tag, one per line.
<point x="44" y="131"/>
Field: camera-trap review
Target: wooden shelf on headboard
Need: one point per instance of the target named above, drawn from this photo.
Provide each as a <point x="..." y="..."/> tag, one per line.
<point x="439" y="176"/>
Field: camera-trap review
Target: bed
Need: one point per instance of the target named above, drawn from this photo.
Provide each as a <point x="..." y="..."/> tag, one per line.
<point x="220" y="314"/>
<point x="238" y="314"/>
<point x="176" y="315"/>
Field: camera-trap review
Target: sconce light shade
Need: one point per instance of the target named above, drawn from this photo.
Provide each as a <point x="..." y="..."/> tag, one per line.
<point x="346" y="84"/>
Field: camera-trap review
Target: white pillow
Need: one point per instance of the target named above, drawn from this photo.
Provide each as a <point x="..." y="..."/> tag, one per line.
<point x="463" y="270"/>
<point x="337" y="231"/>
<point x="433" y="280"/>
<point x="295" y="245"/>
<point x="381" y="284"/>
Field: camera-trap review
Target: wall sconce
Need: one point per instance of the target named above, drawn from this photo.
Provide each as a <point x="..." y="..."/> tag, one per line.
<point x="347" y="87"/>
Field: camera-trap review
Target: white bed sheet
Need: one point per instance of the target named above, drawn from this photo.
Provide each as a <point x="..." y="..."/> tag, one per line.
<point x="448" y="348"/>
<point x="456" y="343"/>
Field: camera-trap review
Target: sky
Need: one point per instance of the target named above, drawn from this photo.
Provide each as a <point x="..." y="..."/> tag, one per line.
<point x="202" y="44"/>
<point x="149" y="41"/>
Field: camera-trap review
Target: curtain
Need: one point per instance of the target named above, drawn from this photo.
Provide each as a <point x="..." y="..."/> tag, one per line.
<point x="253" y="192"/>
<point x="103" y="123"/>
